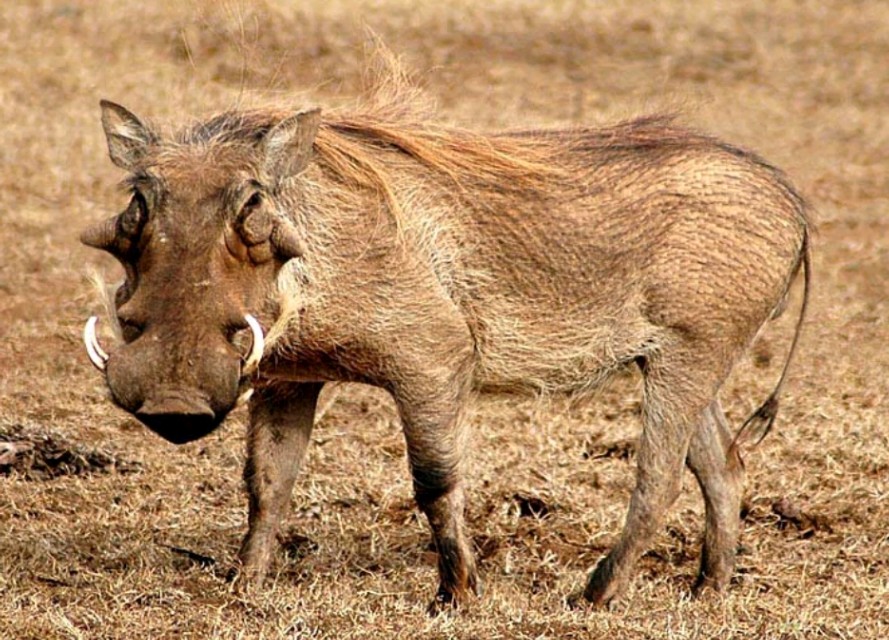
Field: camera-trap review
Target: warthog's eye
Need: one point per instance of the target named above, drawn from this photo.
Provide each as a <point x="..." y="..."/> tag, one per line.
<point x="131" y="221"/>
<point x="130" y="330"/>
<point x="254" y="223"/>
<point x="252" y="203"/>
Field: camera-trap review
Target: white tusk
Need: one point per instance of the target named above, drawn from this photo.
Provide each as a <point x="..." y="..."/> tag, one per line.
<point x="258" y="347"/>
<point x="97" y="355"/>
<point x="245" y="397"/>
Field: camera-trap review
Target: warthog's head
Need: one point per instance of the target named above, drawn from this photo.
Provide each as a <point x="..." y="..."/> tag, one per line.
<point x="201" y="242"/>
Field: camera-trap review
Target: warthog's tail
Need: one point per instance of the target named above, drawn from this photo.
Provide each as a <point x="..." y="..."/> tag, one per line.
<point x="760" y="422"/>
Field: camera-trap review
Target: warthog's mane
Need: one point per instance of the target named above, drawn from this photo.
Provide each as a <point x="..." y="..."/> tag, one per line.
<point x="395" y="115"/>
<point x="352" y="144"/>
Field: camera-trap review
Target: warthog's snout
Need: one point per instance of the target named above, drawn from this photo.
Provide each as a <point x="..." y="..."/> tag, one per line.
<point x="180" y="398"/>
<point x="178" y="417"/>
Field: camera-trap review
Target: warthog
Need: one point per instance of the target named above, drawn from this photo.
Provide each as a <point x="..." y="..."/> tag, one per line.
<point x="376" y="246"/>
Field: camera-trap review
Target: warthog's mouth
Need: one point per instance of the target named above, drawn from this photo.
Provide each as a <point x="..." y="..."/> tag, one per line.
<point x="179" y="417"/>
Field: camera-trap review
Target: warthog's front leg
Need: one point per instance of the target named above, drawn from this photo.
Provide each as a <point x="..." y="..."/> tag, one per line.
<point x="281" y="420"/>
<point x="433" y="429"/>
<point x="720" y="476"/>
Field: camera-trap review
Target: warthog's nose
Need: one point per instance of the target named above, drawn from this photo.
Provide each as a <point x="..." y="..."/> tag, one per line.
<point x="177" y="418"/>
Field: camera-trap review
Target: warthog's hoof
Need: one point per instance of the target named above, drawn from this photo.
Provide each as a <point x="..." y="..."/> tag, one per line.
<point x="578" y="600"/>
<point x="443" y="603"/>
<point x="447" y="603"/>
<point x="243" y="581"/>
<point x="708" y="585"/>
<point x="602" y="588"/>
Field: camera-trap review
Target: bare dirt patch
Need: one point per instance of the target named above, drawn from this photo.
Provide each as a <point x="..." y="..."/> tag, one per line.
<point x="36" y="454"/>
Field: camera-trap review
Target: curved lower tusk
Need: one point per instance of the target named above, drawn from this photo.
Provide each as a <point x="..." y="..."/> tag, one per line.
<point x="258" y="347"/>
<point x="97" y="355"/>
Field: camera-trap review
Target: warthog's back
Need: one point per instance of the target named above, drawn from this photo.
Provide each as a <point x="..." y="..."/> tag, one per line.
<point x="650" y="231"/>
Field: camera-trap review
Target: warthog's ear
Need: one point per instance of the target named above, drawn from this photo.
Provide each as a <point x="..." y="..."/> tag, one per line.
<point x="288" y="145"/>
<point x="128" y="138"/>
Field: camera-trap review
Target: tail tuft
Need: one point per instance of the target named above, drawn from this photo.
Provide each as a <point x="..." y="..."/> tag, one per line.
<point x="760" y="423"/>
<point x="756" y="427"/>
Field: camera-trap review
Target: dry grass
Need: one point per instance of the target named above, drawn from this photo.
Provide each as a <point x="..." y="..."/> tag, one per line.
<point x="103" y="554"/>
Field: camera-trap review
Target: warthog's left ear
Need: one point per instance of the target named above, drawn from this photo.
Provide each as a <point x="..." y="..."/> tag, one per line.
<point x="288" y="145"/>
<point x="128" y="138"/>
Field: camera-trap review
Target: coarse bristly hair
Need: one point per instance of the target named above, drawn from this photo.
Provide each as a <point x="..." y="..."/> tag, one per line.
<point x="533" y="261"/>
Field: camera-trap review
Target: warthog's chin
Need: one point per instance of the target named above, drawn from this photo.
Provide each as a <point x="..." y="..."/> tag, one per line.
<point x="179" y="420"/>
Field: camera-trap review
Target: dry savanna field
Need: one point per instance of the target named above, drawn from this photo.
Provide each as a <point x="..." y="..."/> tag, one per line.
<point x="106" y="531"/>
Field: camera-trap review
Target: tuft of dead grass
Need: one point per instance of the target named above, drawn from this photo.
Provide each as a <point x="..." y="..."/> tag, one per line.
<point x="113" y="555"/>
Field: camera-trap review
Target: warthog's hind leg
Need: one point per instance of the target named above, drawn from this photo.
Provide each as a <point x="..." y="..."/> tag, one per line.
<point x="677" y="391"/>
<point x="721" y="481"/>
<point x="281" y="420"/>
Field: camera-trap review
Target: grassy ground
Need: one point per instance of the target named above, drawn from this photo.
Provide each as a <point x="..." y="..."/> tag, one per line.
<point x="107" y="532"/>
